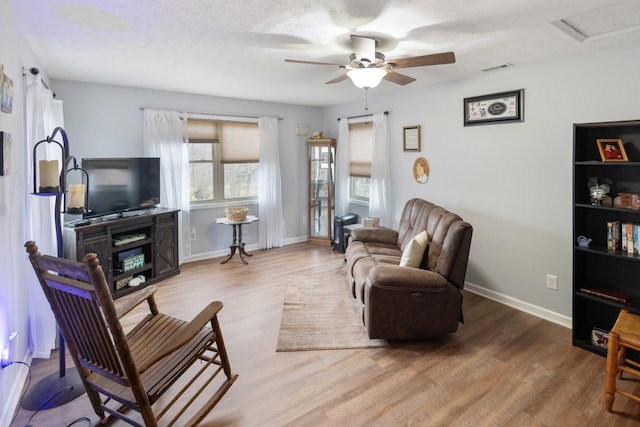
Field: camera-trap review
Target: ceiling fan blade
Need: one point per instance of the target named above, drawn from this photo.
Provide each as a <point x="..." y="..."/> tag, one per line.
<point x="295" y="61"/>
<point x="421" y="61"/>
<point x="337" y="79"/>
<point x="364" y="47"/>
<point x="398" y="78"/>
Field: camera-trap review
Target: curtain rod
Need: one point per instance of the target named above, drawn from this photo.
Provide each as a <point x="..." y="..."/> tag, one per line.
<point x="211" y="114"/>
<point x="35" y="72"/>
<point x="386" y="113"/>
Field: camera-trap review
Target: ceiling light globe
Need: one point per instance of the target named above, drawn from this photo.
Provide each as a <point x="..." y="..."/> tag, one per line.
<point x="367" y="77"/>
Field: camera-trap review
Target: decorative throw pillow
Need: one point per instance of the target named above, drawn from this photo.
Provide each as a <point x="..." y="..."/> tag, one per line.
<point x="414" y="251"/>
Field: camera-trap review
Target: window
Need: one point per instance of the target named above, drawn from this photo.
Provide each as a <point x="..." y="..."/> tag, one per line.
<point x="223" y="160"/>
<point x="361" y="152"/>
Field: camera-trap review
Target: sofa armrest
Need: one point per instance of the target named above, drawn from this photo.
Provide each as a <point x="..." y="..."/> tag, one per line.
<point x="375" y="234"/>
<point x="406" y="278"/>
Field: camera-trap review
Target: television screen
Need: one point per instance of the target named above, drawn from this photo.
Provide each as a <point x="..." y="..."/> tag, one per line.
<point x="122" y="184"/>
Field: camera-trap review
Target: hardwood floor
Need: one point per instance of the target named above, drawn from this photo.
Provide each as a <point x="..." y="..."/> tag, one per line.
<point x="502" y="368"/>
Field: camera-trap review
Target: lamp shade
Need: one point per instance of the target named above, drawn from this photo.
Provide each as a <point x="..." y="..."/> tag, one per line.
<point x="367" y="77"/>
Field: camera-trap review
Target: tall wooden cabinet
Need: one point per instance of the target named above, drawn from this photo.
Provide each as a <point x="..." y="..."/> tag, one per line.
<point x="152" y="236"/>
<point x="322" y="153"/>
<point x="608" y="270"/>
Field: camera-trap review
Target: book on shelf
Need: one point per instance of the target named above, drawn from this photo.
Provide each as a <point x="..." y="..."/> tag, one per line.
<point x="636" y="239"/>
<point x="616" y="295"/>
<point x="613" y="235"/>
<point x="629" y="228"/>
<point x="609" y="235"/>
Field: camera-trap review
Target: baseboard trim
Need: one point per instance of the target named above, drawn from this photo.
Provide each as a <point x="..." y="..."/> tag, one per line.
<point x="249" y="248"/>
<point x="11" y="403"/>
<point x="534" y="310"/>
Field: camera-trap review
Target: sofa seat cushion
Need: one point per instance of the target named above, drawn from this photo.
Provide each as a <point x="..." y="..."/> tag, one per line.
<point x="383" y="249"/>
<point x="386" y="259"/>
<point x="361" y="271"/>
<point x="358" y="250"/>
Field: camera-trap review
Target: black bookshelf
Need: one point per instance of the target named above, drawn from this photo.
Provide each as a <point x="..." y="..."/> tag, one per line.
<point x="597" y="265"/>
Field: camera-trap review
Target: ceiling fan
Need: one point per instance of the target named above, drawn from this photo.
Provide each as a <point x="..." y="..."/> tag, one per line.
<point x="367" y="67"/>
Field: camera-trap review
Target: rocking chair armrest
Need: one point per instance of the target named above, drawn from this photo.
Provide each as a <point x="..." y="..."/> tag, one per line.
<point x="184" y="334"/>
<point x="136" y="299"/>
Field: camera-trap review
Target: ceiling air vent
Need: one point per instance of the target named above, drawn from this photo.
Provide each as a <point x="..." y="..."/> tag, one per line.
<point x="612" y="20"/>
<point x="497" y="67"/>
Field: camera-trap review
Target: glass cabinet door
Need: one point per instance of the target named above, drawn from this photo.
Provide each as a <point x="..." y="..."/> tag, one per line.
<point x="321" y="188"/>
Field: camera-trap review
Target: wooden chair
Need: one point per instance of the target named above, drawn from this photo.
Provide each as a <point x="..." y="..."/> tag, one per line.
<point x="624" y="335"/>
<point x="137" y="367"/>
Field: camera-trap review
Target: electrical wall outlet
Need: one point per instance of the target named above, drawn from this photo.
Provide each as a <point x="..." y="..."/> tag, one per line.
<point x="6" y="360"/>
<point x="192" y="234"/>
<point x="552" y="282"/>
<point x="304" y="219"/>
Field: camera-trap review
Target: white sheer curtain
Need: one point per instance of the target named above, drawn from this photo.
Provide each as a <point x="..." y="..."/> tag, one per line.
<point x="380" y="197"/>
<point x="164" y="137"/>
<point x="343" y="176"/>
<point x="270" y="228"/>
<point x="44" y="114"/>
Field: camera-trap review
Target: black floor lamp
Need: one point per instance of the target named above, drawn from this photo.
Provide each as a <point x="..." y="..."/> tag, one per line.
<point x="65" y="385"/>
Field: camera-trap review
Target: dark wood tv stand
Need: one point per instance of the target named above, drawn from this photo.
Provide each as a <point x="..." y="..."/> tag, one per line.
<point x="156" y="231"/>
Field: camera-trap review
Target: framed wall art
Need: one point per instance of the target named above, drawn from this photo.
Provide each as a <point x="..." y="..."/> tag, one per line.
<point x="6" y="104"/>
<point x="494" y="108"/>
<point x="411" y="138"/>
<point x="612" y="150"/>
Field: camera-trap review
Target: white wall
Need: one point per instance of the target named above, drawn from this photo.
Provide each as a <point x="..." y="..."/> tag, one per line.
<point x="106" y="121"/>
<point x="511" y="181"/>
<point x="14" y="294"/>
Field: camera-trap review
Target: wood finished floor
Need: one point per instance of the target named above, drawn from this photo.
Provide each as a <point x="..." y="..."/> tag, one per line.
<point x="502" y="368"/>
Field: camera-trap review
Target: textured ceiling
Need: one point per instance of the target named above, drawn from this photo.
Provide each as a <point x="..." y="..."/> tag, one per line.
<point x="236" y="48"/>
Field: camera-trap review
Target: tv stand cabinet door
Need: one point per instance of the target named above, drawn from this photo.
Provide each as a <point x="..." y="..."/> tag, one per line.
<point x="100" y="244"/>
<point x="166" y="245"/>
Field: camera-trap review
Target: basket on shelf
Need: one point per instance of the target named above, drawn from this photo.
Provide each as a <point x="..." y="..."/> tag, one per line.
<point x="236" y="213"/>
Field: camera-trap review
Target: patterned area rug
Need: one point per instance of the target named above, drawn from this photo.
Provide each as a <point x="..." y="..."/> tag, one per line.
<point x="319" y="313"/>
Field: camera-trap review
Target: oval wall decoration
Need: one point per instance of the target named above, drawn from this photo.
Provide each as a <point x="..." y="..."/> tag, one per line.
<point x="421" y="170"/>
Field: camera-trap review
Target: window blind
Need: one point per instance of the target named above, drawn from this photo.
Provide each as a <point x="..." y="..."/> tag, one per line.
<point x="360" y="148"/>
<point x="238" y="140"/>
<point x="202" y="130"/>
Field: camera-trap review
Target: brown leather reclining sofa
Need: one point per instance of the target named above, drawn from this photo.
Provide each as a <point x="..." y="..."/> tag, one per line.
<point x="406" y="302"/>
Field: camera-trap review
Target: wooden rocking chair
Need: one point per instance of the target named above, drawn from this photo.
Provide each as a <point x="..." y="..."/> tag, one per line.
<point x="137" y="367"/>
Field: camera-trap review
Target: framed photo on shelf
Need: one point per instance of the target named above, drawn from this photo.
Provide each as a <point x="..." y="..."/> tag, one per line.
<point x="495" y="108"/>
<point x="612" y="150"/>
<point x="599" y="337"/>
<point x="411" y="138"/>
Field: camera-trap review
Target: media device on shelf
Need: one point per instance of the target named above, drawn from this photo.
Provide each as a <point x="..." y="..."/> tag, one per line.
<point x="119" y="185"/>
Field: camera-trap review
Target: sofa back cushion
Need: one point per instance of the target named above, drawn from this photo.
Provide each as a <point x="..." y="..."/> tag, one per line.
<point x="418" y="215"/>
<point x="448" y="235"/>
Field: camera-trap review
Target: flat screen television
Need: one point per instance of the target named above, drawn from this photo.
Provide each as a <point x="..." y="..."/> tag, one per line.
<point x="118" y="185"/>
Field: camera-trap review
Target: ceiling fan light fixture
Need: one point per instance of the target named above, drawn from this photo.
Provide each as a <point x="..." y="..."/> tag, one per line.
<point x="366" y="78"/>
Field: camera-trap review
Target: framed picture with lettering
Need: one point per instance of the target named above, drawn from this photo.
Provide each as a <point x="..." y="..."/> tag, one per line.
<point x="411" y="138"/>
<point x="494" y="108"/>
